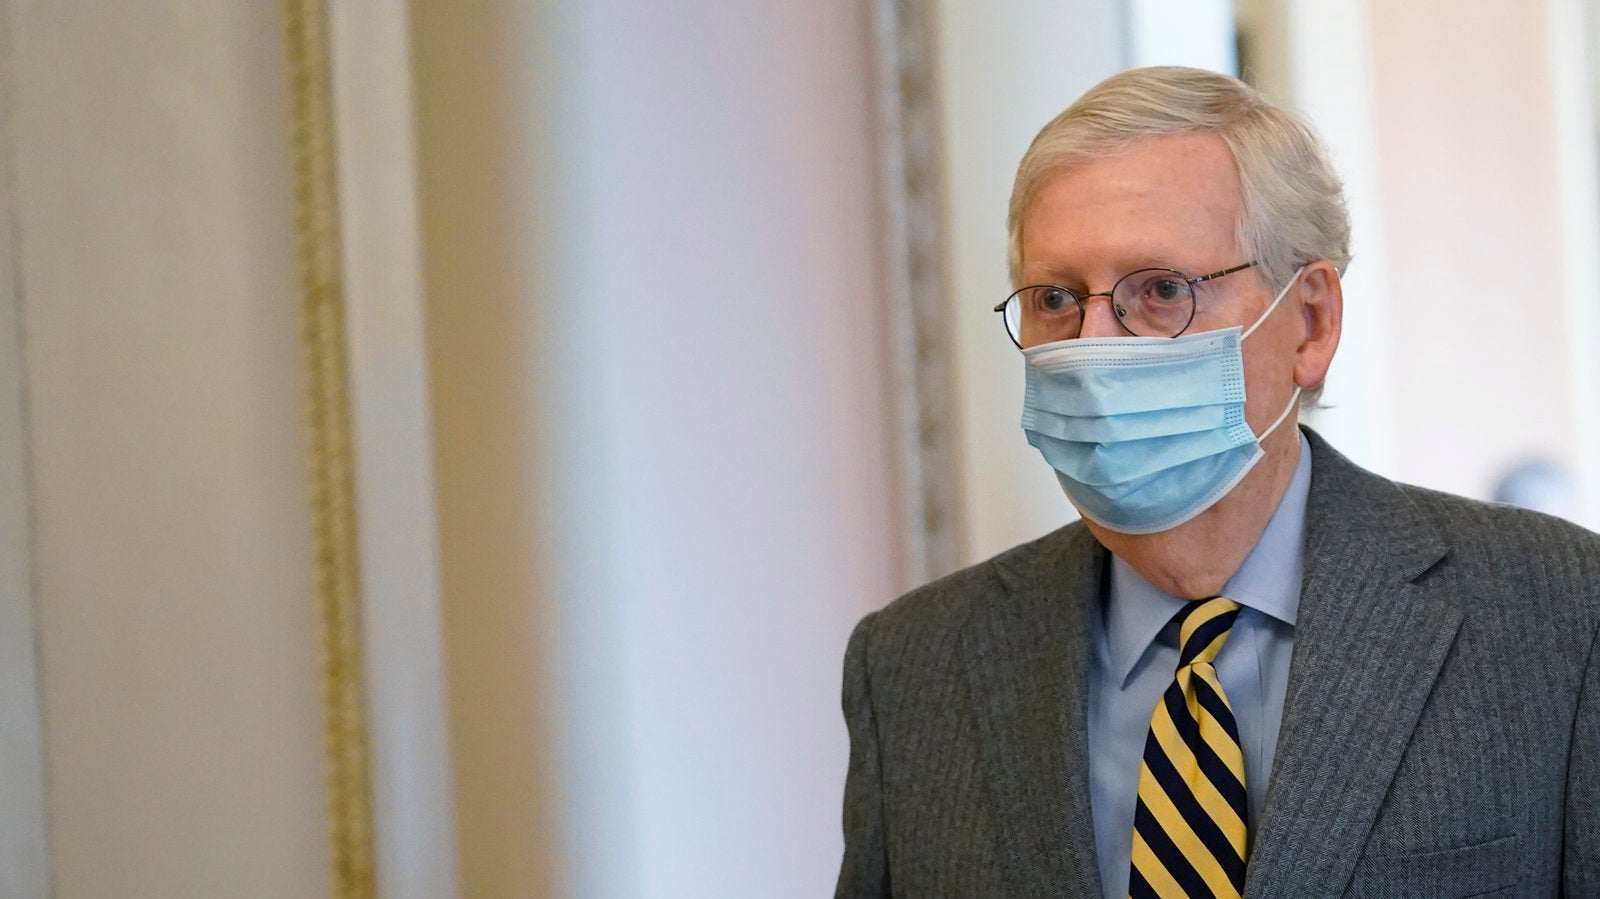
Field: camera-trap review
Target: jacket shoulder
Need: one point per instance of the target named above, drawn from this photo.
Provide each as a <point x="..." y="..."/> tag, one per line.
<point x="917" y="635"/>
<point x="1498" y="543"/>
<point x="945" y="603"/>
<point x="1499" y="536"/>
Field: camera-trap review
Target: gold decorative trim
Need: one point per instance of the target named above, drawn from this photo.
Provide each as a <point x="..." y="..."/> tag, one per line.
<point x="331" y="461"/>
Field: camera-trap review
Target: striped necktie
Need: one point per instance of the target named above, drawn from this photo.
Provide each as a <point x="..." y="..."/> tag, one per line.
<point x="1189" y="826"/>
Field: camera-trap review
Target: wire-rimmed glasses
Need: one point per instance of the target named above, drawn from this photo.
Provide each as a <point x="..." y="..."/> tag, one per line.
<point x="1150" y="302"/>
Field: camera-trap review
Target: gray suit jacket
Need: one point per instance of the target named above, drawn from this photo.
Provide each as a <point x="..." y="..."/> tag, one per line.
<point x="1441" y="735"/>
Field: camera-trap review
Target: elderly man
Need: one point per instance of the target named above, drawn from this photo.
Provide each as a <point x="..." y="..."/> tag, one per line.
<point x="1252" y="668"/>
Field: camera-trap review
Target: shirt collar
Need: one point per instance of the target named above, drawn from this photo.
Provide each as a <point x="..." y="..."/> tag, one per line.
<point x="1268" y="581"/>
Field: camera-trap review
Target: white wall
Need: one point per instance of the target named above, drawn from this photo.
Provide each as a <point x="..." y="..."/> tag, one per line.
<point x="173" y="557"/>
<point x="735" y="262"/>
<point x="664" y="434"/>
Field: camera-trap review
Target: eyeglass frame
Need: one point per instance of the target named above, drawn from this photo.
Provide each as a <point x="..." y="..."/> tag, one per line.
<point x="1081" y="299"/>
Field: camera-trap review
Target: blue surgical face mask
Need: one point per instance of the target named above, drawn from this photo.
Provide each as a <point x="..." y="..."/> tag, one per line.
<point x="1145" y="433"/>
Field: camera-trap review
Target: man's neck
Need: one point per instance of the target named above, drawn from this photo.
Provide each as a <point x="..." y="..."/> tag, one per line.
<point x="1195" y="559"/>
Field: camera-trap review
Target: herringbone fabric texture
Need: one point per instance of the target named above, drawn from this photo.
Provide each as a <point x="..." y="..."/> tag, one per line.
<point x="1189" y="837"/>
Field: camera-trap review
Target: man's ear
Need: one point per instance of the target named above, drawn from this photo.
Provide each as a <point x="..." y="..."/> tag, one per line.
<point x="1322" y="313"/>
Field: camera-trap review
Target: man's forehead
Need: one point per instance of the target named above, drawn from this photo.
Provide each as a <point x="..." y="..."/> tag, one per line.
<point x="1153" y="201"/>
<point x="1192" y="160"/>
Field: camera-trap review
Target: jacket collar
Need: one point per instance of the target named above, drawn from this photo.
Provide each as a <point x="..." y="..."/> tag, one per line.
<point x="1374" y="628"/>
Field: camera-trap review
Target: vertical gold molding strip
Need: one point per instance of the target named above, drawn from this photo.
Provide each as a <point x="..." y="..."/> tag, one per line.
<point x="317" y="256"/>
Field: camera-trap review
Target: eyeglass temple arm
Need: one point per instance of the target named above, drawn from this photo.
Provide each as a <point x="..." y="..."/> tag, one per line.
<point x="1226" y="271"/>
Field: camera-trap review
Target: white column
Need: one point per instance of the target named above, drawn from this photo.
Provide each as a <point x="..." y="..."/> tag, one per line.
<point x="1328" y="55"/>
<point x="1195" y="33"/>
<point x="1574" y="36"/>
<point x="392" y="427"/>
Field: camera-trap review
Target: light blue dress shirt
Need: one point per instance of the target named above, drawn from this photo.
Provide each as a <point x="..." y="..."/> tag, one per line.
<point x="1136" y="655"/>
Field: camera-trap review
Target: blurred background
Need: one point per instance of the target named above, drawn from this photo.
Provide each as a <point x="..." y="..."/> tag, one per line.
<point x="635" y="405"/>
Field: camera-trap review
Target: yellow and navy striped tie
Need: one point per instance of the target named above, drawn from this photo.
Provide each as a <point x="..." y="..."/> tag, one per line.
<point x="1189" y="835"/>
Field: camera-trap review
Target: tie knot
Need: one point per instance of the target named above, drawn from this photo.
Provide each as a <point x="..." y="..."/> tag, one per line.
<point x="1204" y="625"/>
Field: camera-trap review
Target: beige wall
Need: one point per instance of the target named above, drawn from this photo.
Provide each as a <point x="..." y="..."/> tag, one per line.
<point x="170" y="515"/>
<point x="1471" y="202"/>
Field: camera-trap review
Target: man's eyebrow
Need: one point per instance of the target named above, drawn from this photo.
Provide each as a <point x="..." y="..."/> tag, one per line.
<point x="1057" y="273"/>
<point x="1063" y="274"/>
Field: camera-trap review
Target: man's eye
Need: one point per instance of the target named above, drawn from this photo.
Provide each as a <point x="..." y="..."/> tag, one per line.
<point x="1054" y="299"/>
<point x="1168" y="290"/>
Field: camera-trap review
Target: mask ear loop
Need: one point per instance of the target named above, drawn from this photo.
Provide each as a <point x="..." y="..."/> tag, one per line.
<point x="1281" y="415"/>
<point x="1275" y="301"/>
<point x="1295" y="397"/>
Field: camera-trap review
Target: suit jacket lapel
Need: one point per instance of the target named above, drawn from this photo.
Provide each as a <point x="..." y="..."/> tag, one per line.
<point x="1370" y="638"/>
<point x="1027" y="655"/>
